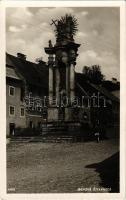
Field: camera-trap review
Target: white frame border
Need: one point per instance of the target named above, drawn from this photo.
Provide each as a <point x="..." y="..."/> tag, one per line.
<point x="119" y="196"/>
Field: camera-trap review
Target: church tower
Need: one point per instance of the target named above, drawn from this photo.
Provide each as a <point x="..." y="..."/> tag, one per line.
<point x="61" y="62"/>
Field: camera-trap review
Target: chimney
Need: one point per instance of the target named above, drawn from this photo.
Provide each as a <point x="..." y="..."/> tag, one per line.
<point x="40" y="61"/>
<point x="21" y="56"/>
<point x="114" y="80"/>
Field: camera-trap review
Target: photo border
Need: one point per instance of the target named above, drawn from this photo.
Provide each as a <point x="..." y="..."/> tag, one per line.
<point x="57" y="196"/>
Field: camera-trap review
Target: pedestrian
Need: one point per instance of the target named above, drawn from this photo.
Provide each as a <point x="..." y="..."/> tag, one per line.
<point x="97" y="131"/>
<point x="97" y="135"/>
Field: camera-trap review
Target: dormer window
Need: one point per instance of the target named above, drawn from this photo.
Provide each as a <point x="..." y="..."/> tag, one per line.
<point x="11" y="90"/>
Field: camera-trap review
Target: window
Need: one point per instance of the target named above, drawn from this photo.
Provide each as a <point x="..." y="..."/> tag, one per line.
<point x="11" y="91"/>
<point x="22" y="112"/>
<point x="11" y="110"/>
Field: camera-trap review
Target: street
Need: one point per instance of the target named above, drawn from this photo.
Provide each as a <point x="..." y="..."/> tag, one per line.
<point x="66" y="167"/>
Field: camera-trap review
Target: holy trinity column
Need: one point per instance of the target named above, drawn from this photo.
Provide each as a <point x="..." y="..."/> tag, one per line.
<point x="61" y="62"/>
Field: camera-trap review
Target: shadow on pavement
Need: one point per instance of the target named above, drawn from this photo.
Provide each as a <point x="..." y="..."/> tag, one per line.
<point x="109" y="172"/>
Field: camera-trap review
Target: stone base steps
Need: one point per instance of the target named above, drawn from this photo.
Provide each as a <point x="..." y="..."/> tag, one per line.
<point x="21" y="139"/>
<point x="44" y="139"/>
<point x="60" y="128"/>
<point x="56" y="132"/>
<point x="54" y="139"/>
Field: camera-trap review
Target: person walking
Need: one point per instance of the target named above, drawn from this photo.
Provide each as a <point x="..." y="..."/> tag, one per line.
<point x="97" y="136"/>
<point x="97" y="131"/>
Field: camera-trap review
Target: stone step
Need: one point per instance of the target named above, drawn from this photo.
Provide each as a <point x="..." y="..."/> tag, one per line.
<point x="59" y="130"/>
<point x="48" y="139"/>
<point x="53" y="139"/>
<point x="51" y="129"/>
<point x="20" y="140"/>
<point x="61" y="124"/>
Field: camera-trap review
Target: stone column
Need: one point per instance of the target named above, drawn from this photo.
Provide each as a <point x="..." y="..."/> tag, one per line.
<point x="57" y="83"/>
<point x="72" y="80"/>
<point x="50" y="77"/>
<point x="50" y="82"/>
<point x="67" y="81"/>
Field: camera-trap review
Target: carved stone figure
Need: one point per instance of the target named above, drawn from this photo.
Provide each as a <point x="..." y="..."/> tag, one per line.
<point x="66" y="28"/>
<point x="50" y="43"/>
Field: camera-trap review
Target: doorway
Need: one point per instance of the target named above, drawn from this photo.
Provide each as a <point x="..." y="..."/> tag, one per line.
<point x="12" y="129"/>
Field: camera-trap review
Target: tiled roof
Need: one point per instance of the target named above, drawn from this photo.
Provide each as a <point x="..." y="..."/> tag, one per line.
<point x="89" y="87"/>
<point x="34" y="74"/>
<point x="10" y="73"/>
<point x="105" y="92"/>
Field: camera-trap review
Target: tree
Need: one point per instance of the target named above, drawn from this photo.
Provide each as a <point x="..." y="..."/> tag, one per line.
<point x="93" y="74"/>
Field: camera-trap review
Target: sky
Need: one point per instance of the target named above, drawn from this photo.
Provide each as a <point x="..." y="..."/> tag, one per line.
<point x="29" y="30"/>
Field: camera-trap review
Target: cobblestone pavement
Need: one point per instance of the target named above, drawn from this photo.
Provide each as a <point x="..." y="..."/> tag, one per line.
<point x="65" y="167"/>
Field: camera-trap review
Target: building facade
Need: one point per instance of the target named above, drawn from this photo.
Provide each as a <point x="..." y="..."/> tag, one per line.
<point x="15" y="110"/>
<point x="24" y="81"/>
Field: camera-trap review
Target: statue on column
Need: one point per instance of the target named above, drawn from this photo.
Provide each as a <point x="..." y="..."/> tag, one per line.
<point x="64" y="53"/>
<point x="66" y="28"/>
<point x="50" y="44"/>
